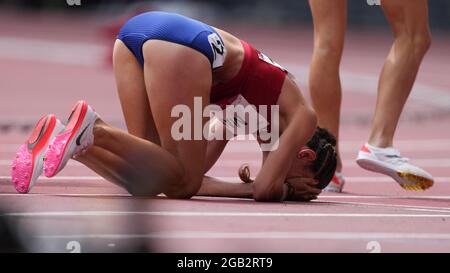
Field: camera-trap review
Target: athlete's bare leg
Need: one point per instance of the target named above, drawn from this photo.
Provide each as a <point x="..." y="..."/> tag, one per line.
<point x="136" y="164"/>
<point x="139" y="165"/>
<point x="169" y="84"/>
<point x="330" y="23"/>
<point x="409" y="23"/>
<point x="130" y="83"/>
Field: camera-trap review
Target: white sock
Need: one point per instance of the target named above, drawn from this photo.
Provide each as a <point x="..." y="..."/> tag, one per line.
<point x="377" y="148"/>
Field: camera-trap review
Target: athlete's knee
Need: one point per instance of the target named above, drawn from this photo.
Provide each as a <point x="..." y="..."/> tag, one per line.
<point x="422" y="40"/>
<point x="186" y="189"/>
<point x="416" y="43"/>
<point x="329" y="47"/>
<point x="182" y="194"/>
<point x="138" y="185"/>
<point x="141" y="192"/>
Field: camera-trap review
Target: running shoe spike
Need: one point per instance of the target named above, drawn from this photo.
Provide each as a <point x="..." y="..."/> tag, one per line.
<point x="28" y="163"/>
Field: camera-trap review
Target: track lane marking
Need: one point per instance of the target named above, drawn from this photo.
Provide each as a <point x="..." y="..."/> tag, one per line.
<point x="355" y="179"/>
<point x="321" y="197"/>
<point x="404" y="207"/>
<point x="257" y="235"/>
<point x="216" y="214"/>
<point x="233" y="163"/>
<point x="87" y="54"/>
<point x="235" y="146"/>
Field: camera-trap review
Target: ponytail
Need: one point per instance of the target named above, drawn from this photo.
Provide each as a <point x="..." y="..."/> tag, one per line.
<point x="324" y="166"/>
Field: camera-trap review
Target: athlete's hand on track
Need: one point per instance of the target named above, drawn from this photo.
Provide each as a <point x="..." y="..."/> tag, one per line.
<point x="304" y="189"/>
<point x="244" y="173"/>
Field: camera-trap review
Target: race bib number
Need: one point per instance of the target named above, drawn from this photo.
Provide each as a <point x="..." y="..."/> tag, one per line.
<point x="268" y="60"/>
<point x="219" y="50"/>
<point x="242" y="118"/>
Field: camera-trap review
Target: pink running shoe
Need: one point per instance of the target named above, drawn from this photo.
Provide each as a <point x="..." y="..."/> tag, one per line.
<point x="27" y="166"/>
<point x="75" y="139"/>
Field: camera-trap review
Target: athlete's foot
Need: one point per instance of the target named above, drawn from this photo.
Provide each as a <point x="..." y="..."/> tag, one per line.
<point x="74" y="140"/>
<point x="336" y="184"/>
<point x="389" y="162"/>
<point x="27" y="166"/>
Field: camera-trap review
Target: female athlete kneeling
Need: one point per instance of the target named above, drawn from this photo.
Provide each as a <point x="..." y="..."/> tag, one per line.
<point x="162" y="60"/>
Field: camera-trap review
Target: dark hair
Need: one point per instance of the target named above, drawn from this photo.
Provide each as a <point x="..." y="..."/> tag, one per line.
<point x="324" y="166"/>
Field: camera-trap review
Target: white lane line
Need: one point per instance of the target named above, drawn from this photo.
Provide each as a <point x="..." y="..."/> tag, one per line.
<point x="405" y="145"/>
<point x="368" y="83"/>
<point x="387" y="179"/>
<point x="89" y="54"/>
<point x="230" y="163"/>
<point x="350" y="179"/>
<point x="352" y="204"/>
<point x="258" y="235"/>
<point x="321" y="197"/>
<point x="68" y="53"/>
<point x="218" y="214"/>
<point x="403" y="207"/>
<point x="408" y="145"/>
<point x="345" y="196"/>
<point x="422" y="162"/>
<point x="352" y="146"/>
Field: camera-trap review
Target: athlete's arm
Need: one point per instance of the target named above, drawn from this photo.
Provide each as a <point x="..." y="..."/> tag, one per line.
<point x="268" y="185"/>
<point x="305" y="189"/>
<point x="218" y="188"/>
<point x="215" y="146"/>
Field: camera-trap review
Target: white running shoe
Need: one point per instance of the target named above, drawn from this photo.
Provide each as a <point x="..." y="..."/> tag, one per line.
<point x="336" y="184"/>
<point x="389" y="162"/>
<point x="74" y="140"/>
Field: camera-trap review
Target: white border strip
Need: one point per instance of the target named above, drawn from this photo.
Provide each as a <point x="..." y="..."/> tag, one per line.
<point x="350" y="179"/>
<point x="410" y="197"/>
<point x="258" y="235"/>
<point x="404" y="207"/>
<point x="322" y="197"/>
<point x="368" y="83"/>
<point x="89" y="54"/>
<point x="217" y="214"/>
<point x="233" y="163"/>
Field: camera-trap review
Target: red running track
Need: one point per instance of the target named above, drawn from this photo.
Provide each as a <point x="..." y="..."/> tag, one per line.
<point x="373" y="214"/>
